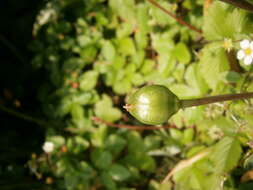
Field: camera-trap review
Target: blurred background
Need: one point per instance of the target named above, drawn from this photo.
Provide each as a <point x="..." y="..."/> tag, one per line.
<point x="67" y="68"/>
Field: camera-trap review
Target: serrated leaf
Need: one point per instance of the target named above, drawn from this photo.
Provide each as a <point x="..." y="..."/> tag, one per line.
<point x="213" y="63"/>
<point x="220" y="22"/>
<point x="226" y="154"/>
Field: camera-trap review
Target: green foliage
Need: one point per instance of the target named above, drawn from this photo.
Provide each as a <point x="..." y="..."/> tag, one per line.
<point x="96" y="52"/>
<point x="226" y="154"/>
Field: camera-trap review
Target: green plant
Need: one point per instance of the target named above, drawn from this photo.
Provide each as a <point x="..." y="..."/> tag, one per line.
<point x="94" y="52"/>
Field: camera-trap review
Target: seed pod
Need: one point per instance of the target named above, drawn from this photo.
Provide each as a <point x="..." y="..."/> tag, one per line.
<point x="153" y="104"/>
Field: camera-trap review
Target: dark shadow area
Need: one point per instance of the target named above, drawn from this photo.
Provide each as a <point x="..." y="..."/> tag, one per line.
<point x="18" y="88"/>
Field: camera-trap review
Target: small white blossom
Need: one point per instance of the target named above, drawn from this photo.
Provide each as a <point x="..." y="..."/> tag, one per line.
<point x="48" y="147"/>
<point x="246" y="52"/>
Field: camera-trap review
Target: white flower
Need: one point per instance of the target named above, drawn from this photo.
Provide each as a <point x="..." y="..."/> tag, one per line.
<point x="246" y="52"/>
<point x="48" y="147"/>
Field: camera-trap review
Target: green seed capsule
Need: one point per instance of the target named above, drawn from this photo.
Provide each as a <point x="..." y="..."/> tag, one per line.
<point x="153" y="104"/>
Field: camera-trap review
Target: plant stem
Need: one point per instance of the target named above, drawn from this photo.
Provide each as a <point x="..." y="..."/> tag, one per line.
<point x="214" y="99"/>
<point x="23" y="116"/>
<point x="240" y="4"/>
<point x="179" y="20"/>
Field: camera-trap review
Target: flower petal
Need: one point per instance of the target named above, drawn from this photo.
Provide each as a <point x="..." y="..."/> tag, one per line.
<point x="244" y="44"/>
<point x="251" y="45"/>
<point x="240" y="54"/>
<point x="248" y="60"/>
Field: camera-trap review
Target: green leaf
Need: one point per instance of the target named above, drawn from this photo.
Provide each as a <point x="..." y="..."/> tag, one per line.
<point x="162" y="43"/>
<point x="152" y="142"/>
<point x="77" y="114"/>
<point x="86" y="170"/>
<point x="137" y="79"/>
<point x="147" y="67"/>
<point x="195" y="80"/>
<point x="79" y="145"/>
<point x="107" y="180"/>
<point x="141" y="160"/>
<point x="181" y="53"/>
<point x="104" y="109"/>
<point x="84" y="98"/>
<point x="159" y="16"/>
<point x="88" y="53"/>
<point x="126" y="46"/>
<point x="98" y="137"/>
<point x="221" y="22"/>
<point x="88" y="80"/>
<point x="232" y="76"/>
<point x="125" y="29"/>
<point x="197" y="176"/>
<point x="119" y="172"/>
<point x="212" y="64"/>
<point x="102" y="159"/>
<point x="226" y="154"/>
<point x="135" y="143"/>
<point x="115" y="144"/>
<point x="108" y="51"/>
<point x="125" y="9"/>
<point x="188" y="136"/>
<point x="176" y="134"/>
<point x="147" y="163"/>
<point x="57" y="140"/>
<point x="122" y="86"/>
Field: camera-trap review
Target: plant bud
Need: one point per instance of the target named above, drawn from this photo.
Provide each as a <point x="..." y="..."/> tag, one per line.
<point x="153" y="104"/>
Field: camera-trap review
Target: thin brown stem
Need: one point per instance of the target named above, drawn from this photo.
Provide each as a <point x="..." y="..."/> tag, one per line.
<point x="179" y="20"/>
<point x="214" y="99"/>
<point x="240" y="4"/>
<point x="131" y="127"/>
